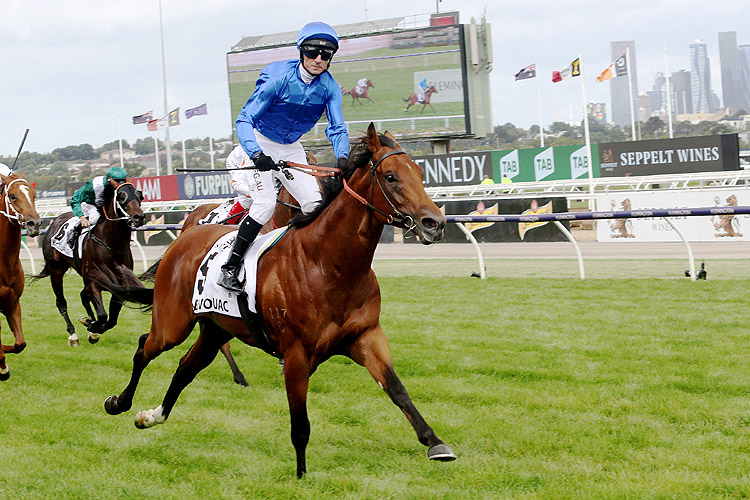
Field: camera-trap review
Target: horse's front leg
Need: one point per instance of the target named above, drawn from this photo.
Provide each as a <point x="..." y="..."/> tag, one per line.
<point x="14" y="323"/>
<point x="115" y="306"/>
<point x="56" y="279"/>
<point x="373" y="352"/>
<point x="4" y="371"/>
<point x="297" y="379"/>
<point x="238" y="376"/>
<point x="96" y="327"/>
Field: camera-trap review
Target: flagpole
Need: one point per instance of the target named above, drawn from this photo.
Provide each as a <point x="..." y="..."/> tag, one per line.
<point x="166" y="106"/>
<point x="669" y="92"/>
<point x="119" y="134"/>
<point x="539" y="100"/>
<point x="587" y="134"/>
<point x="156" y="151"/>
<point x="184" y="156"/>
<point x="210" y="138"/>
<point x="630" y="91"/>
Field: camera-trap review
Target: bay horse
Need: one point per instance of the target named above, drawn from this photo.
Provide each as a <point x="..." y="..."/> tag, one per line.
<point x="17" y="198"/>
<point x="286" y="208"/>
<point x="358" y="92"/>
<point x="421" y="98"/>
<point x="106" y="251"/>
<point x="316" y="294"/>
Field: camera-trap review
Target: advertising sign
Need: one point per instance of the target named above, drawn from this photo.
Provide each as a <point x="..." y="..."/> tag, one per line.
<point x="414" y="81"/>
<point x="545" y="164"/>
<point x="725" y="227"/>
<point x="162" y="188"/>
<point x="670" y="156"/>
<point x="506" y="231"/>
<point x="455" y="169"/>
<point x="205" y="185"/>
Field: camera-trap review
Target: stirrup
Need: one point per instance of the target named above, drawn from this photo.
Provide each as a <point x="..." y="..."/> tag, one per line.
<point x="228" y="280"/>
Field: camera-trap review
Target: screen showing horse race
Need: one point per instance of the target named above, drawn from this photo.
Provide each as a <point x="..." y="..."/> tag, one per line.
<point x="410" y="82"/>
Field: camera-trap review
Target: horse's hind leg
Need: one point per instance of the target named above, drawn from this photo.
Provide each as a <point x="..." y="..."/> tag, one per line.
<point x="56" y="278"/>
<point x="239" y="378"/>
<point x="150" y="345"/>
<point x="200" y="355"/>
<point x="372" y="351"/>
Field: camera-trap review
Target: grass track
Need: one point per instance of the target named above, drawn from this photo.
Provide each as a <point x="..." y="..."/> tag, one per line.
<point x="629" y="386"/>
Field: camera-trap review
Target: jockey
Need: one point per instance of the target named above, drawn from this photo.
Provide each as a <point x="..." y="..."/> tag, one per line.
<point x="89" y="197"/>
<point x="423" y="85"/>
<point x="289" y="99"/>
<point x="361" y="85"/>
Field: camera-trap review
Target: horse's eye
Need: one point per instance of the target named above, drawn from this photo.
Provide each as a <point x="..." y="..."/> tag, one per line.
<point x="12" y="197"/>
<point x="390" y="178"/>
<point x="122" y="196"/>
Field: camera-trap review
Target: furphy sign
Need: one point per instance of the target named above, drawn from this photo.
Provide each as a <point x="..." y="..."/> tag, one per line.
<point x="455" y="169"/>
<point x="669" y="156"/>
<point x="205" y="185"/>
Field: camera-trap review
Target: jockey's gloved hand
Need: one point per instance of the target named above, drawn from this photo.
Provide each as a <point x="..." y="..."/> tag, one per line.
<point x="263" y="162"/>
<point x="341" y="163"/>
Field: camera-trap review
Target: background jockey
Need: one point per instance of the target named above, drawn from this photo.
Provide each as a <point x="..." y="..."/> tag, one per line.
<point x="289" y="99"/>
<point x="361" y="85"/>
<point x="89" y="197"/>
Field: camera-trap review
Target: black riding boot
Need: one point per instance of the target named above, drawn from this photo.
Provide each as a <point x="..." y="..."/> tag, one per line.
<point x="74" y="235"/>
<point x="249" y="229"/>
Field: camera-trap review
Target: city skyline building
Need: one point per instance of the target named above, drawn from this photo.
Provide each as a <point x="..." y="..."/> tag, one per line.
<point x="731" y="86"/>
<point x="700" y="77"/>
<point x="619" y="87"/>
<point x="743" y="53"/>
<point x="681" y="92"/>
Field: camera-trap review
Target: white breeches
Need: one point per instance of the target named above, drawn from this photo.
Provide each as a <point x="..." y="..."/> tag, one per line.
<point x="304" y="187"/>
<point x="91" y="212"/>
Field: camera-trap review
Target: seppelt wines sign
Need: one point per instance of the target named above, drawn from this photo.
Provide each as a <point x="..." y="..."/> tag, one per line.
<point x="669" y="156"/>
<point x="455" y="169"/>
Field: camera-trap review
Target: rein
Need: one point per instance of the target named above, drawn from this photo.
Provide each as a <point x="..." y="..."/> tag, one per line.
<point x="5" y="190"/>
<point x="394" y="218"/>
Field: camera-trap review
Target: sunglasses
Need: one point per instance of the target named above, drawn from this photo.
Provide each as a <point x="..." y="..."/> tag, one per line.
<point x="314" y="52"/>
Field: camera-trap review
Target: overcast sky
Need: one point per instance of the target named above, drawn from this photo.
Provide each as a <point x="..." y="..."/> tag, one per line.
<point x="69" y="69"/>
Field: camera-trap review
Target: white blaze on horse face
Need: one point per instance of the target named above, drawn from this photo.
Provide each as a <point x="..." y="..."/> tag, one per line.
<point x="26" y="192"/>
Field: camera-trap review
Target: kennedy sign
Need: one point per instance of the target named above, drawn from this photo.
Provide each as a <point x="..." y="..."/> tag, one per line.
<point x="669" y="156"/>
<point x="455" y="169"/>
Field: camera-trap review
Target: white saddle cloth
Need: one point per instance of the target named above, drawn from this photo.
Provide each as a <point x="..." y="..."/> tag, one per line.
<point x="208" y="296"/>
<point x="61" y="237"/>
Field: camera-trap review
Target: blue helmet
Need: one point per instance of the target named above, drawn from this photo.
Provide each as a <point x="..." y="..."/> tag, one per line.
<point x="318" y="34"/>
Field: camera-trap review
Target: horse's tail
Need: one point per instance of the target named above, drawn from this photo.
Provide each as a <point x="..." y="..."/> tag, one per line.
<point x="150" y="273"/>
<point x="36" y="277"/>
<point x="128" y="293"/>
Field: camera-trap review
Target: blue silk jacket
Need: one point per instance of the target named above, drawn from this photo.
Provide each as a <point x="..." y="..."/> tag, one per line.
<point x="284" y="108"/>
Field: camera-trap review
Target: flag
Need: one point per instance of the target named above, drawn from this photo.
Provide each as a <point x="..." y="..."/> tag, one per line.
<point x="573" y="70"/>
<point x="621" y="66"/>
<point x="153" y="125"/>
<point x="174" y="117"/>
<point x="144" y="118"/>
<point x="160" y="124"/>
<point x="200" y="110"/>
<point x="527" y="72"/>
<point x="606" y="74"/>
<point x="617" y="68"/>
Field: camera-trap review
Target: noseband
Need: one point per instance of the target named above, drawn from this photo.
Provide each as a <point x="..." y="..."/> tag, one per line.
<point x="15" y="216"/>
<point x="118" y="208"/>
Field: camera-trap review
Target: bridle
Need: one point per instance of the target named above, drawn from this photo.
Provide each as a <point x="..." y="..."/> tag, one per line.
<point x="15" y="216"/>
<point x="118" y="208"/>
<point x="396" y="218"/>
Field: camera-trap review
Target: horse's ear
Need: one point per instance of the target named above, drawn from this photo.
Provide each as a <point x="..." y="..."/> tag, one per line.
<point x="5" y="179"/>
<point x="373" y="142"/>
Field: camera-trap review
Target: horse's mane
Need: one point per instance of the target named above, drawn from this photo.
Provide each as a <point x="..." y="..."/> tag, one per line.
<point x="359" y="156"/>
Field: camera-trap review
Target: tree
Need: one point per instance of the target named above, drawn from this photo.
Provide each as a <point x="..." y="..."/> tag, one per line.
<point x="654" y="127"/>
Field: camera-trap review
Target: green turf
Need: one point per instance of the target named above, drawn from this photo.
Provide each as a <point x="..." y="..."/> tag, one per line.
<point x="618" y="387"/>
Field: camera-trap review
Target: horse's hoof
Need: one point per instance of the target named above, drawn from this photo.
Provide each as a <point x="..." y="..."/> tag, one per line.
<point x="441" y="452"/>
<point x="85" y="321"/>
<point x="149" y="418"/>
<point x="110" y="405"/>
<point x="73" y="342"/>
<point x="4" y="374"/>
<point x="93" y="338"/>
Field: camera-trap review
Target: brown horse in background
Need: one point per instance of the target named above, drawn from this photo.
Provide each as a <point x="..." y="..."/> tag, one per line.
<point x="317" y="295"/>
<point x="106" y="251"/>
<point x="17" y="198"/>
<point x="422" y="98"/>
<point x="358" y="93"/>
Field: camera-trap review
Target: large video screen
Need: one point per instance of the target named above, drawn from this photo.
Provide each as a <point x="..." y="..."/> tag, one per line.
<point x="401" y="66"/>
